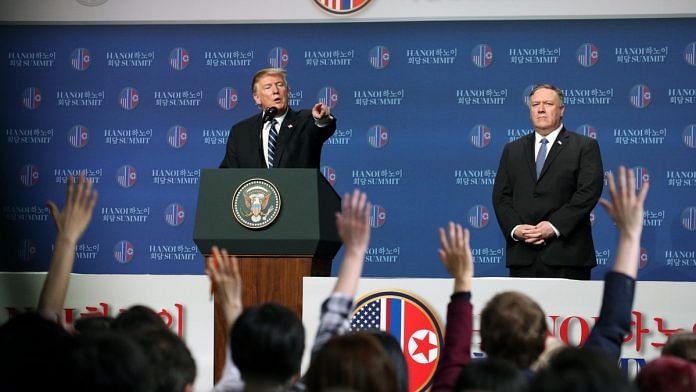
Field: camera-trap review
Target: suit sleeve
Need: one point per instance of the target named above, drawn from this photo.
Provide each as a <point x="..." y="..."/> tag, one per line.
<point x="503" y="196"/>
<point x="323" y="133"/>
<point x="230" y="159"/>
<point x="590" y="181"/>
<point x="456" y="353"/>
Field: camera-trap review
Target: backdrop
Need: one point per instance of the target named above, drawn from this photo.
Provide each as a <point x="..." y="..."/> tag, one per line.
<point x="424" y="110"/>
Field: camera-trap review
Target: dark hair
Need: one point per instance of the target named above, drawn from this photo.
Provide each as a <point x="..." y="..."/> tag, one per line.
<point x="33" y="353"/>
<point x="138" y="319"/>
<point x="667" y="374"/>
<point x="581" y="370"/>
<point x="491" y="374"/>
<point x="352" y="362"/>
<point x="172" y="365"/>
<point x="267" y="343"/>
<point x="682" y="345"/>
<point x="548" y="86"/>
<point x="513" y="327"/>
<point x="92" y="323"/>
<point x="109" y="361"/>
<point x="395" y="354"/>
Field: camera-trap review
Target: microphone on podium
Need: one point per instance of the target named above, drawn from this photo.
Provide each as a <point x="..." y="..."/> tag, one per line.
<point x="269" y="114"/>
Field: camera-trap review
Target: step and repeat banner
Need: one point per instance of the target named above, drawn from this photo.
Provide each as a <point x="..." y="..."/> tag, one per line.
<point x="424" y="110"/>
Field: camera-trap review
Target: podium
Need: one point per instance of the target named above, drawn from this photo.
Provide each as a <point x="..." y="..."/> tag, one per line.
<point x="301" y="241"/>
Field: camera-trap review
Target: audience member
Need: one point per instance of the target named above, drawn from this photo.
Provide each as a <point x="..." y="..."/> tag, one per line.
<point x="667" y="374"/>
<point x="351" y="362"/>
<point x="173" y="367"/>
<point x="682" y="345"/>
<point x="492" y="375"/>
<point x="138" y="319"/>
<point x="582" y="369"/>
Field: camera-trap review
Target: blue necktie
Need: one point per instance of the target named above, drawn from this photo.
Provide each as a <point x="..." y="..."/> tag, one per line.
<point x="272" y="137"/>
<point x="541" y="156"/>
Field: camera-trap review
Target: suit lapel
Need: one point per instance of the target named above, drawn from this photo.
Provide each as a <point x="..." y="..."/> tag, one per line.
<point x="258" y="125"/>
<point x="285" y="134"/>
<point x="529" y="155"/>
<point x="558" y="145"/>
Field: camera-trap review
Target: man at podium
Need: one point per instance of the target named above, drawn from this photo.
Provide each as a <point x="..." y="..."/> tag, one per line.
<point x="278" y="136"/>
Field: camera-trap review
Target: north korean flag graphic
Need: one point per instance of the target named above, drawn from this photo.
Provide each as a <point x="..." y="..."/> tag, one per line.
<point x="341" y="6"/>
<point x="80" y="59"/>
<point x="413" y="325"/>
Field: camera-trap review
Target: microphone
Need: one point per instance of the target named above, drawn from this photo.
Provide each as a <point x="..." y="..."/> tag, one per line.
<point x="269" y="114"/>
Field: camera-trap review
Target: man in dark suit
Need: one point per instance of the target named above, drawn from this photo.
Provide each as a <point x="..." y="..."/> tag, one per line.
<point x="278" y="136"/>
<point x="545" y="217"/>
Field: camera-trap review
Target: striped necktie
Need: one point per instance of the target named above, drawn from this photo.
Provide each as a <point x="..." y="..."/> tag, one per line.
<point x="272" y="138"/>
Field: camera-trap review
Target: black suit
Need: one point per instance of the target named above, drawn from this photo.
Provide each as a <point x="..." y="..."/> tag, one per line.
<point x="568" y="189"/>
<point x="299" y="142"/>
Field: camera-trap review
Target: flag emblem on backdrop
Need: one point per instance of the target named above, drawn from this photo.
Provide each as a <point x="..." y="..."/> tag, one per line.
<point x="31" y="98"/>
<point x="329" y="173"/>
<point x="328" y="96"/>
<point x="179" y="58"/>
<point x="587" y="55"/>
<point x="129" y="98"/>
<point x="176" y="136"/>
<point x="227" y="98"/>
<point x="640" y="96"/>
<point x="379" y="57"/>
<point x="278" y="57"/>
<point x="342" y="7"/>
<point x="78" y="136"/>
<point x="80" y="59"/>
<point x="688" y="218"/>
<point x="377" y="136"/>
<point x="29" y="175"/>
<point x="174" y="214"/>
<point x="642" y="177"/>
<point x="482" y="55"/>
<point x="414" y="325"/>
<point x="123" y="252"/>
<point x="126" y="176"/>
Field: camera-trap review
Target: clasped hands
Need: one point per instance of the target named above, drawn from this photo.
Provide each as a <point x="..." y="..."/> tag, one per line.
<point x="535" y="235"/>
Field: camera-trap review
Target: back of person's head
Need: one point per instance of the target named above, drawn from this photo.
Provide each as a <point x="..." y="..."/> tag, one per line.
<point x="682" y="345"/>
<point x="92" y="323"/>
<point x="395" y="354"/>
<point x="267" y="343"/>
<point x="109" y="361"/>
<point x="173" y="367"/>
<point x="138" y="319"/>
<point x="581" y="370"/>
<point x="352" y="362"/>
<point x="32" y="353"/>
<point x="491" y="374"/>
<point x="667" y="374"/>
<point x="513" y="327"/>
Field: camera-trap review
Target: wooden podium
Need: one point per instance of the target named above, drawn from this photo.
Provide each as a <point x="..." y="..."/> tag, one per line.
<point x="302" y="241"/>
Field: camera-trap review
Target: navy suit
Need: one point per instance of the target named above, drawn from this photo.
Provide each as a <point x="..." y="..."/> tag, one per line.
<point x="299" y="142"/>
<point x="567" y="190"/>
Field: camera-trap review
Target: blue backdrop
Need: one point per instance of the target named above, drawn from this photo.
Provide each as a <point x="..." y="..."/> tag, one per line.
<point x="424" y="110"/>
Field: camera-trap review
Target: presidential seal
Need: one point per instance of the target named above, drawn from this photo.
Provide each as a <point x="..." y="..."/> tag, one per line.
<point x="256" y="203"/>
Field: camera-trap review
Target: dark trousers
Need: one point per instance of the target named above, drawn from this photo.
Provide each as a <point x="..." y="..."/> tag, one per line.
<point x="541" y="270"/>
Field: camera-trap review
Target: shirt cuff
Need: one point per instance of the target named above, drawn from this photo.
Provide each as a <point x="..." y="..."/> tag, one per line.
<point x="323" y="122"/>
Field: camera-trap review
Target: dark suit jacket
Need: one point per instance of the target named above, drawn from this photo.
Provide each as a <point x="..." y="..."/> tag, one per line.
<point x="568" y="189"/>
<point x="299" y="142"/>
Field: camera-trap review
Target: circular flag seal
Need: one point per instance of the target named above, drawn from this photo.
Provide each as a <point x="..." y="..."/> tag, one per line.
<point x="256" y="203"/>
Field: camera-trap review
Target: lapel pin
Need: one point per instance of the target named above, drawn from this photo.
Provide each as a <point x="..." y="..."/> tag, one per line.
<point x="559" y="142"/>
<point x="289" y="125"/>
